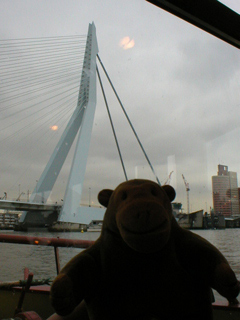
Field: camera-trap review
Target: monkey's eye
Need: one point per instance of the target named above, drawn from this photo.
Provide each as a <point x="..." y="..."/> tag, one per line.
<point x="124" y="195"/>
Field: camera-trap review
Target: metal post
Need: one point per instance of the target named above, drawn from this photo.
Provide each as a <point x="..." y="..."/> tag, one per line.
<point x="56" y="252"/>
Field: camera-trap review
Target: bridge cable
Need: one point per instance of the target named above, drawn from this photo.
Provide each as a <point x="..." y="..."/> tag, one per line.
<point x="110" y="118"/>
<point x="128" y="120"/>
<point x="23" y="63"/>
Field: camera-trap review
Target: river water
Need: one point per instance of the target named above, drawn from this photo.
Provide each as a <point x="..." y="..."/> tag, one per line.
<point x="40" y="260"/>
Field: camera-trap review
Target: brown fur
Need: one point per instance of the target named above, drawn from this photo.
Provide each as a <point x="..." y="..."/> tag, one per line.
<point x="143" y="265"/>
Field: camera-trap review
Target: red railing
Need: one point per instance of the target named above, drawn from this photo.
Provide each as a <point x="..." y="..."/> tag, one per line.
<point x="50" y="242"/>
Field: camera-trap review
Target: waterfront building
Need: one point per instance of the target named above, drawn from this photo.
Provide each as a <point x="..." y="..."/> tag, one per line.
<point x="176" y="208"/>
<point x="8" y="220"/>
<point x="225" y="192"/>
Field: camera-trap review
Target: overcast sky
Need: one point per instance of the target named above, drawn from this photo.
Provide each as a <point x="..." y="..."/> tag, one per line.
<point x="179" y="85"/>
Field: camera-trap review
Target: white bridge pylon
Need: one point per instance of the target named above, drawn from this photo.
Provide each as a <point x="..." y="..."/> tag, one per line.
<point x="82" y="122"/>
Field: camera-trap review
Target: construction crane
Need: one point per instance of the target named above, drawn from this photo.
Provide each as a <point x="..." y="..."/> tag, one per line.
<point x="18" y="198"/>
<point x="187" y="190"/>
<point x="4" y="197"/>
<point x="168" y="179"/>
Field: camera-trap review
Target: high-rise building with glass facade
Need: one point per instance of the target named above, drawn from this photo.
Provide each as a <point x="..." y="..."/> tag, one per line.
<point x="225" y="192"/>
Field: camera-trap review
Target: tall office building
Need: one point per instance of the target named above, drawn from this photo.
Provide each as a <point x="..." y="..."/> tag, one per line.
<point x="225" y="192"/>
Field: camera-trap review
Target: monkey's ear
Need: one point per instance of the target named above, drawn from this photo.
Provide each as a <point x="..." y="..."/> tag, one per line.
<point x="104" y="196"/>
<point x="170" y="191"/>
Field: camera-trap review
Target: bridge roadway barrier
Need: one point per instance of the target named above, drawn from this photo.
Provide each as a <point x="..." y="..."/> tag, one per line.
<point x="27" y="206"/>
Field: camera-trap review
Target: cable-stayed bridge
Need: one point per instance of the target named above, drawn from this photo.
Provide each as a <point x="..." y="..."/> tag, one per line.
<point x="80" y="123"/>
<point x="68" y="215"/>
